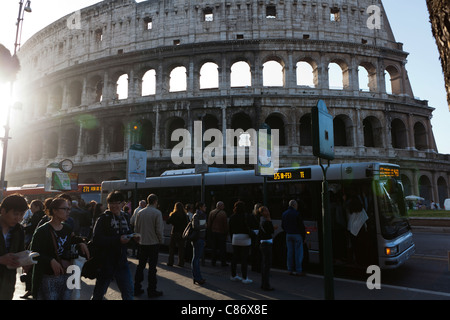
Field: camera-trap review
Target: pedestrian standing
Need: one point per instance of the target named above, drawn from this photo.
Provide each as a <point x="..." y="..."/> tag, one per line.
<point x="149" y="224"/>
<point x="266" y="230"/>
<point x="218" y="224"/>
<point x="110" y="238"/>
<point x="292" y="224"/>
<point x="12" y="210"/>
<point x="199" y="225"/>
<point x="241" y="242"/>
<point x="189" y="213"/>
<point x="179" y="220"/>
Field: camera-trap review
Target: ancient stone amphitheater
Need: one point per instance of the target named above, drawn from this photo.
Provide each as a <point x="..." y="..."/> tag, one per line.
<point x="120" y="72"/>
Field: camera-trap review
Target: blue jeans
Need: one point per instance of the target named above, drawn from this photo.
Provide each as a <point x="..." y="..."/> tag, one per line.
<point x="121" y="274"/>
<point x="294" y="244"/>
<point x="198" y="246"/>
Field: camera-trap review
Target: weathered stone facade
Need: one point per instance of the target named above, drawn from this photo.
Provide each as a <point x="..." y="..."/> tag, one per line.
<point x="72" y="68"/>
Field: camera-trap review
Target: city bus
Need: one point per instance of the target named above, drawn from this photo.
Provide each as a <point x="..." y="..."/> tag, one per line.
<point x="85" y="192"/>
<point x="389" y="242"/>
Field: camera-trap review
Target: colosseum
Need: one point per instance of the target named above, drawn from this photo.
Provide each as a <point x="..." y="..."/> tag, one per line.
<point x="119" y="73"/>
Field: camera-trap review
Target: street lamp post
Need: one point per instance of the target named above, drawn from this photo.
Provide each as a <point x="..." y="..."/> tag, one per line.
<point x="5" y="139"/>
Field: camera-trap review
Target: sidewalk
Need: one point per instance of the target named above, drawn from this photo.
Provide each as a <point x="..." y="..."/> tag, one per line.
<point x="177" y="284"/>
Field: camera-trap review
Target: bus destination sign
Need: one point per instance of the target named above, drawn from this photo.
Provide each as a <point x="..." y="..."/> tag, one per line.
<point x="389" y="172"/>
<point x="87" y="189"/>
<point x="295" y="174"/>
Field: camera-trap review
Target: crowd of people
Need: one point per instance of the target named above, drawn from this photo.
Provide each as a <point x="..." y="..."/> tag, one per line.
<point x="61" y="229"/>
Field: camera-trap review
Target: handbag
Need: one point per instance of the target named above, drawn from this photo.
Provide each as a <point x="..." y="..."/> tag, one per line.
<point x="66" y="261"/>
<point x="189" y="233"/>
<point x="91" y="268"/>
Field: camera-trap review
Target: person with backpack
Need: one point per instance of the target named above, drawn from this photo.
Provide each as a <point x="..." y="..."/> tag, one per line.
<point x="111" y="235"/>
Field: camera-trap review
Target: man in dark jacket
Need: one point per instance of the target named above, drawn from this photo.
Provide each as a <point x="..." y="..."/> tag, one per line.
<point x="110" y="237"/>
<point x="292" y="224"/>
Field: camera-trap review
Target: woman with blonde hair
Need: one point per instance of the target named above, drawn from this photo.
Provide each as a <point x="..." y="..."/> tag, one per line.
<point x="179" y="220"/>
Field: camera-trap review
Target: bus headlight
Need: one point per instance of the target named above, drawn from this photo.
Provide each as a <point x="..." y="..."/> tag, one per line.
<point x="391" y="251"/>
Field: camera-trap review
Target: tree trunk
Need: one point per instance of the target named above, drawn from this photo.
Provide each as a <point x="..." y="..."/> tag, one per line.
<point x="440" y="22"/>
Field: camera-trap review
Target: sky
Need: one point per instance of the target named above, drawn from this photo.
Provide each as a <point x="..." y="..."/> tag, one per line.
<point x="408" y="18"/>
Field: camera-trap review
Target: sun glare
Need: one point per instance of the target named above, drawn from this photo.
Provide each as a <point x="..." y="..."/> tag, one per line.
<point x="5" y="101"/>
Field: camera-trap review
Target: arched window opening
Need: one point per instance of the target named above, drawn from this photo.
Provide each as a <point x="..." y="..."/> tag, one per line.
<point x="122" y="87"/>
<point x="342" y="131"/>
<point x="173" y="124"/>
<point x="149" y="83"/>
<point x="393" y="81"/>
<point x="305" y="130"/>
<point x="92" y="140"/>
<point x="335" y="77"/>
<point x="425" y="189"/>
<point x="178" y="79"/>
<point x="275" y="122"/>
<point x="273" y="74"/>
<point x="363" y="78"/>
<point x="373" y="132"/>
<point x="70" y="142"/>
<point x="209" y="76"/>
<point x="75" y="91"/>
<point x="442" y="191"/>
<point x="241" y="75"/>
<point x="398" y="134"/>
<point x="52" y="145"/>
<point x="117" y="137"/>
<point x="420" y="137"/>
<point x="305" y="74"/>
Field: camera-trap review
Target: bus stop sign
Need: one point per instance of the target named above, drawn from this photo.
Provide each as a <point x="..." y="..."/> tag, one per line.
<point x="322" y="131"/>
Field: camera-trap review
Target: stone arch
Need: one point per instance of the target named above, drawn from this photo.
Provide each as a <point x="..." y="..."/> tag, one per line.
<point x="425" y="188"/>
<point x="95" y="89"/>
<point x="241" y="120"/>
<point x="399" y="134"/>
<point x="338" y="75"/>
<point x="307" y="73"/>
<point x="407" y="185"/>
<point x="92" y="140"/>
<point x="209" y="75"/>
<point x="305" y="130"/>
<point x="210" y="122"/>
<point x="343" y="136"/>
<point x="70" y="142"/>
<point x="273" y="72"/>
<point x="56" y="98"/>
<point x="36" y="148"/>
<point x="373" y="132"/>
<point x="74" y="93"/>
<point x="442" y="190"/>
<point x="394" y="86"/>
<point x="241" y="75"/>
<point x="367" y="75"/>
<point x="172" y="124"/>
<point x="178" y="79"/>
<point x="51" y="142"/>
<point x="420" y="136"/>
<point x="42" y="101"/>
<point x="116" y="136"/>
<point x="148" y="85"/>
<point x="122" y="86"/>
<point x="276" y="121"/>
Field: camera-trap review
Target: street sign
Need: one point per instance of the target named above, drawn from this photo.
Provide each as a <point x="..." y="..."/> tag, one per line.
<point x="136" y="164"/>
<point x="322" y="131"/>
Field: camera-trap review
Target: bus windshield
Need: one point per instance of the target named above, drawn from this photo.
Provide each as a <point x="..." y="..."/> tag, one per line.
<point x="392" y="209"/>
